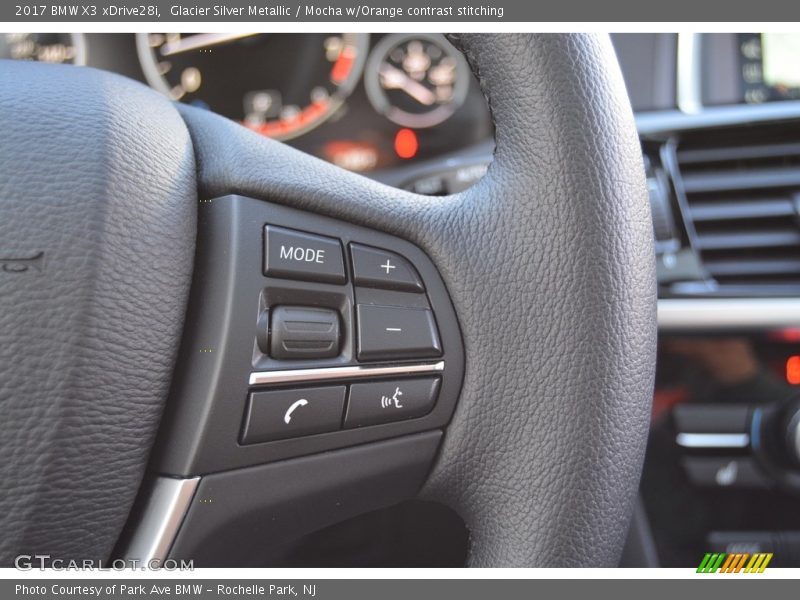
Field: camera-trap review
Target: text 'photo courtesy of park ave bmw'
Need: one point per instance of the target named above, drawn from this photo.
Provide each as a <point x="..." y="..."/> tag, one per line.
<point x="398" y="299"/>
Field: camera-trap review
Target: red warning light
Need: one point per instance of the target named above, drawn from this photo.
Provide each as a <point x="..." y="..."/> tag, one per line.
<point x="343" y="65"/>
<point x="793" y="370"/>
<point x="789" y="335"/>
<point x="406" y="143"/>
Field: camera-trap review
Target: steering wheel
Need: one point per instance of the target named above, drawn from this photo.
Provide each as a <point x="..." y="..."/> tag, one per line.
<point x="136" y="274"/>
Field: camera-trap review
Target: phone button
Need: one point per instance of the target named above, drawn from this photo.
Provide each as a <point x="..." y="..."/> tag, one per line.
<point x="282" y="414"/>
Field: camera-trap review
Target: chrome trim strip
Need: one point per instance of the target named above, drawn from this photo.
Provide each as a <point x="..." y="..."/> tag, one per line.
<point x="351" y="372"/>
<point x="161" y="518"/>
<point x="728" y="313"/>
<point x="689" y="75"/>
<point x="79" y="43"/>
<point x="713" y="440"/>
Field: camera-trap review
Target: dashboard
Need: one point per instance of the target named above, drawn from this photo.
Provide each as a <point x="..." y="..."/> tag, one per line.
<point x="365" y="102"/>
<point x="405" y="109"/>
<point x="694" y="72"/>
<point x="719" y="121"/>
<point x="750" y="68"/>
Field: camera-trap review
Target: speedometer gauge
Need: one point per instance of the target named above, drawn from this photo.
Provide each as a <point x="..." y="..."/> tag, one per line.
<point x="416" y="80"/>
<point x="59" y="48"/>
<point x="280" y="85"/>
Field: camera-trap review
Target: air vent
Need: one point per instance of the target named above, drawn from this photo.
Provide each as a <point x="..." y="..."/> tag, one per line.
<point x="742" y="191"/>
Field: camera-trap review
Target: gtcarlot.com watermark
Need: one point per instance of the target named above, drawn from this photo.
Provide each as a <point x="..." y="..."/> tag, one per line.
<point x="30" y="562"/>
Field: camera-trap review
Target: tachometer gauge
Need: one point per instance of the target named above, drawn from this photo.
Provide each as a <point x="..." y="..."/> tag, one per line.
<point x="416" y="80"/>
<point x="61" y="48"/>
<point x="280" y="85"/>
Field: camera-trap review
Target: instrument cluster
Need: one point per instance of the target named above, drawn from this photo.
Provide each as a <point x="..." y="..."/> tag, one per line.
<point x="364" y="102"/>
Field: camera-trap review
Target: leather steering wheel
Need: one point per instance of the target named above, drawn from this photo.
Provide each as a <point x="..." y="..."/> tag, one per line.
<point x="548" y="262"/>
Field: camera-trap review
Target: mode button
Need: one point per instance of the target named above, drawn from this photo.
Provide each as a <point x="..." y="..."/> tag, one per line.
<point x="294" y="254"/>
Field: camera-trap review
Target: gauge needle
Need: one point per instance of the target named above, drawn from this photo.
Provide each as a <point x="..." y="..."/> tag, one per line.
<point x="200" y="40"/>
<point x="395" y="79"/>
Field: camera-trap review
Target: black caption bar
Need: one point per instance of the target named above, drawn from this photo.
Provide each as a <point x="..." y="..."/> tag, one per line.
<point x="397" y="589"/>
<point x="242" y="10"/>
<point x="489" y="11"/>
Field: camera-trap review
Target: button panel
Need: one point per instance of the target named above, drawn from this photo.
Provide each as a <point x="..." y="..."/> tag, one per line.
<point x="294" y="254"/>
<point x="229" y="368"/>
<point x="281" y="414"/>
<point x="386" y="401"/>
<point x="387" y="332"/>
<point x="290" y="413"/>
<point x="387" y="326"/>
<point x="373" y="267"/>
<point x="304" y="327"/>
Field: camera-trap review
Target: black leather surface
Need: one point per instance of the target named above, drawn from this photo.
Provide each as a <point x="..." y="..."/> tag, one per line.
<point x="96" y="178"/>
<point x="549" y="261"/>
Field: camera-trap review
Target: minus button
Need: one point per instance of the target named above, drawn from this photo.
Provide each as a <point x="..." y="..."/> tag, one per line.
<point x="413" y="333"/>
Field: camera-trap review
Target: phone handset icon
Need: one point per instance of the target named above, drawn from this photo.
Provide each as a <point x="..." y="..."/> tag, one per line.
<point x="287" y="418"/>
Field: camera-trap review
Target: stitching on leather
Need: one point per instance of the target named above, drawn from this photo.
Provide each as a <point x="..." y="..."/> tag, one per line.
<point x="458" y="42"/>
